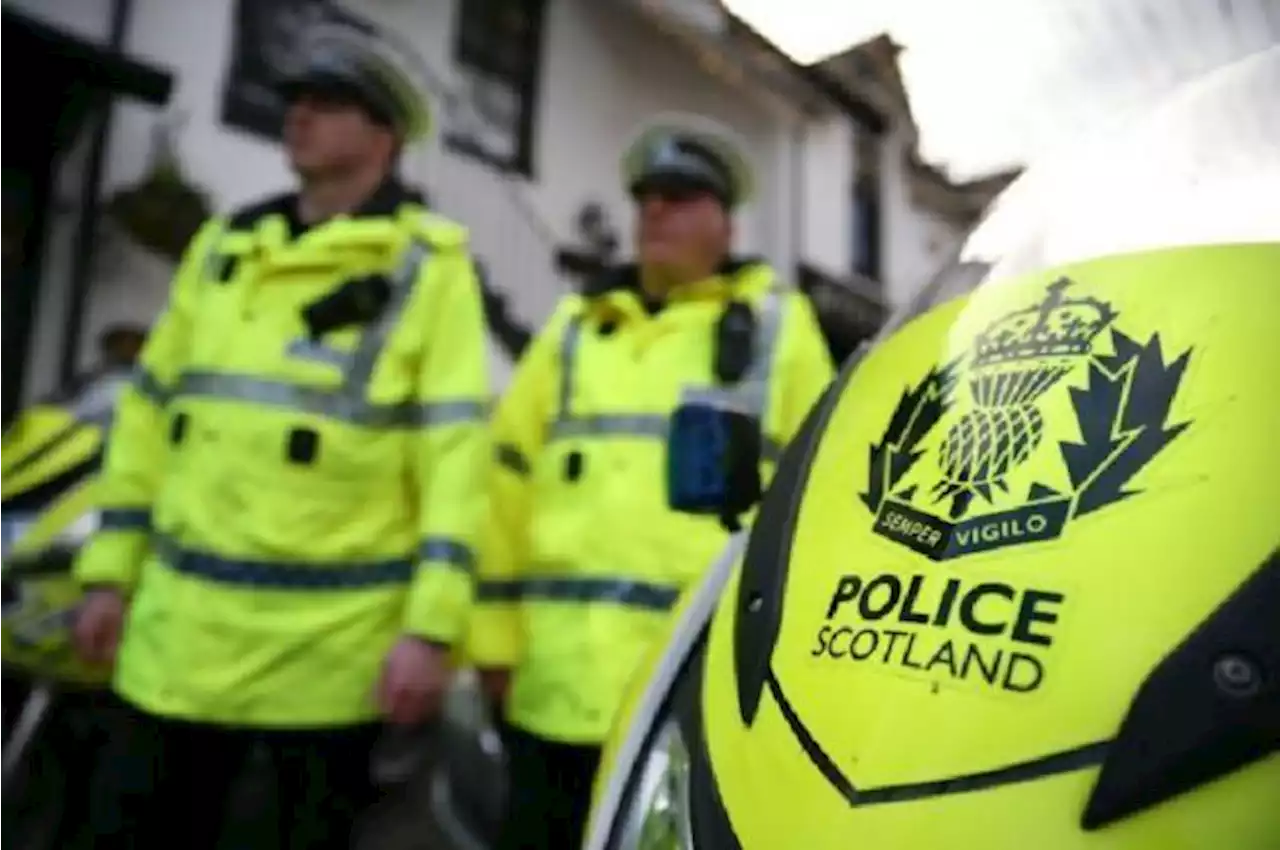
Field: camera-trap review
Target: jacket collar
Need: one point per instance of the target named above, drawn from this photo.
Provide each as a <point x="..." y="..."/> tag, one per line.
<point x="387" y="198"/>
<point x="615" y="293"/>
<point x="626" y="277"/>
<point x="383" y="203"/>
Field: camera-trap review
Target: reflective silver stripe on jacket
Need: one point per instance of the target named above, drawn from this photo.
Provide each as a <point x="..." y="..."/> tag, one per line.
<point x="750" y="395"/>
<point x="447" y="551"/>
<point x="149" y="386"/>
<point x="124" y="519"/>
<point x="375" y="336"/>
<point x="621" y="424"/>
<point x="317" y="352"/>
<point x="309" y="575"/>
<point x="350" y="402"/>
<point x="755" y="383"/>
<point x="568" y="361"/>
<point x="617" y="591"/>
<point x="339" y="405"/>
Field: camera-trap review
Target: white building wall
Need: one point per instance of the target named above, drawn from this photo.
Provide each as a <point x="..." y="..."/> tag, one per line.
<point x="827" y="195"/>
<point x="606" y="70"/>
<point x="917" y="241"/>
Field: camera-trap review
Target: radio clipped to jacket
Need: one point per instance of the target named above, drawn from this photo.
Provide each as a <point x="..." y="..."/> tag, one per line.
<point x="714" y="445"/>
<point x="358" y="301"/>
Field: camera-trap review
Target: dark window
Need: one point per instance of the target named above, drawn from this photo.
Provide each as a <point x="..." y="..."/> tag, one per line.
<point x="868" y="216"/>
<point x="848" y="314"/>
<point x="867" y="226"/>
<point x="498" y="51"/>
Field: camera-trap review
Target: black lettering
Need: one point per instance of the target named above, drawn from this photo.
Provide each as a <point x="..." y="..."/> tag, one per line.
<point x="1028" y="617"/>
<point x="1023" y="674"/>
<point x="908" y="613"/>
<point x="832" y="650"/>
<point x="968" y="607"/>
<point x="867" y="610"/>
<point x="973" y="657"/>
<point x="838" y="642"/>
<point x="947" y="602"/>
<point x="824" y="634"/>
<point x="892" y="635"/>
<point x="871" y="646"/>
<point x="906" y="653"/>
<point x="945" y="654"/>
<point x="1036" y="607"/>
<point x="846" y="591"/>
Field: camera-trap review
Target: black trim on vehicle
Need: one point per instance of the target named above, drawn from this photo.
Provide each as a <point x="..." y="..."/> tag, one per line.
<point x="710" y="818"/>
<point x="764" y="568"/>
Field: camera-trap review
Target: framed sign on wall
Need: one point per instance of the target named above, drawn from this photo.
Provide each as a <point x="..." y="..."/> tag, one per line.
<point x="497" y="59"/>
<point x="268" y="42"/>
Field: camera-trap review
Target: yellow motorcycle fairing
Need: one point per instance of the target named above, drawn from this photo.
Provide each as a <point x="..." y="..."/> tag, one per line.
<point x="1025" y="507"/>
<point x="46" y="441"/>
<point x="46" y="444"/>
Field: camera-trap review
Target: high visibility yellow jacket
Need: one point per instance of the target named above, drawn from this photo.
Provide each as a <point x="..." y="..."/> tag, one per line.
<point x="583" y="557"/>
<point x="282" y="506"/>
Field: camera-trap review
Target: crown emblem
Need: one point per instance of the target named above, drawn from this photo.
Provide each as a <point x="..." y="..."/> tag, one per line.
<point x="1002" y="417"/>
<point x="1056" y="327"/>
<point x="1016" y="360"/>
<point x="665" y="154"/>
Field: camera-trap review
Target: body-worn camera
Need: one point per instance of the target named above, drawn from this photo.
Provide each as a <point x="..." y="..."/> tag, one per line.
<point x="714" y="445"/>
<point x="356" y="302"/>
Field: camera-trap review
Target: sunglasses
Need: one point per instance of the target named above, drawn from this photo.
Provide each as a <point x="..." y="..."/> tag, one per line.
<point x="673" y="192"/>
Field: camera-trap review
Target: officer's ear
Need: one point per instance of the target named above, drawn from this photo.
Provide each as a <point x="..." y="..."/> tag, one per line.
<point x="395" y="148"/>
<point x="726" y="231"/>
<point x="387" y="142"/>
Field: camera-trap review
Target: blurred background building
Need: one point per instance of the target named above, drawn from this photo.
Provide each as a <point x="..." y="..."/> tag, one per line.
<point x="536" y="99"/>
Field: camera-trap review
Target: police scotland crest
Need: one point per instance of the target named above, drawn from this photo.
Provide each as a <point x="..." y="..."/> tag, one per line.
<point x="982" y="415"/>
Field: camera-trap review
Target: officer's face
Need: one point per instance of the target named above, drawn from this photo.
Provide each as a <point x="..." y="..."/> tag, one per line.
<point x="682" y="230"/>
<point x="121" y="348"/>
<point x="325" y="136"/>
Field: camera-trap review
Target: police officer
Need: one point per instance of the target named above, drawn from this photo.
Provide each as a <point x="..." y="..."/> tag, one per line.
<point x="291" y="488"/>
<point x="598" y="524"/>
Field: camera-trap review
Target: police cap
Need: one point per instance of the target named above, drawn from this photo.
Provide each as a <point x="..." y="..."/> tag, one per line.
<point x="688" y="154"/>
<point x="345" y="64"/>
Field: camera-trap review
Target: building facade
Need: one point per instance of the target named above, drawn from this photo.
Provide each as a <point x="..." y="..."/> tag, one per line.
<point x="536" y="99"/>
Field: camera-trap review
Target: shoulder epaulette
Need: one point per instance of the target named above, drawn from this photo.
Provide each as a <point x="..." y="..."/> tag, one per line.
<point x="438" y="231"/>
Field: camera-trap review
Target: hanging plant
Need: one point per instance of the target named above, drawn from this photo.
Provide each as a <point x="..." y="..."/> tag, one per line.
<point x="163" y="211"/>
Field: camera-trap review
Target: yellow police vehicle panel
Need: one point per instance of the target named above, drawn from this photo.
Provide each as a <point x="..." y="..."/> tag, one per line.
<point x="1001" y="487"/>
<point x="49" y="488"/>
<point x="37" y="619"/>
